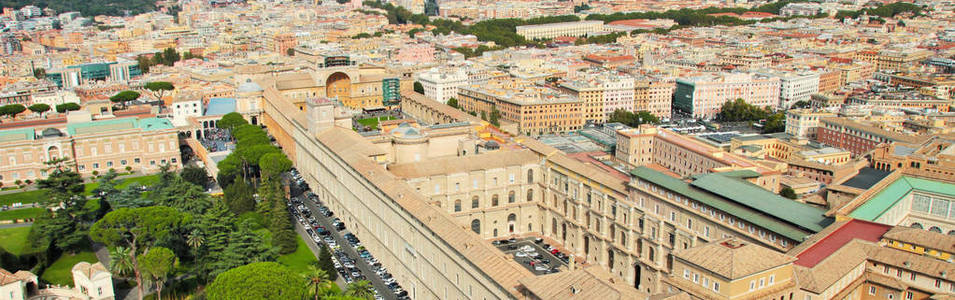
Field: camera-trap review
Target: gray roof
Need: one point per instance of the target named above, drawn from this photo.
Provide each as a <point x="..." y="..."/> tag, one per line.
<point x="866" y="178"/>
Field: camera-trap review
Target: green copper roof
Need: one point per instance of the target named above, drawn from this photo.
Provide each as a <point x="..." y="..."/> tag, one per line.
<point x="895" y="192"/>
<point x="12" y="135"/>
<point x="757" y="198"/>
<point x="727" y="206"/>
<point x="117" y="124"/>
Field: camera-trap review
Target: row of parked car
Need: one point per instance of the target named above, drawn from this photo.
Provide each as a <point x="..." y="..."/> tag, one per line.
<point x="344" y="264"/>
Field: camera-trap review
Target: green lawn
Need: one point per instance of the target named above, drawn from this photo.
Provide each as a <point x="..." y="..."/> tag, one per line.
<point x="123" y="183"/>
<point x="21" y="197"/>
<point x="23" y="213"/>
<point x="373" y="122"/>
<point x="61" y="271"/>
<point x="34" y="196"/>
<point x="14" y="240"/>
<point x="299" y="260"/>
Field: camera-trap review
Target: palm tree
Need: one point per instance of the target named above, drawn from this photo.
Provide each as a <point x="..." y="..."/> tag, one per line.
<point x="195" y="240"/>
<point x="120" y="261"/>
<point x="316" y="279"/>
<point x="360" y="289"/>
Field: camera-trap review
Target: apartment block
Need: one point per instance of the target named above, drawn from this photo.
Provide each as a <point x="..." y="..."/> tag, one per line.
<point x="601" y="93"/>
<point x="535" y="109"/>
<point x="442" y="84"/>
<point x="703" y="96"/>
<point x="803" y="123"/>
<point x="654" y="95"/>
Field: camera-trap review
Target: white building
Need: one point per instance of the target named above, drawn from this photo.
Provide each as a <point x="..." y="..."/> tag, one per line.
<point x="186" y="107"/>
<point x="795" y="86"/>
<point x="602" y="92"/>
<point x="704" y="96"/>
<point x="93" y="280"/>
<point x="31" y="11"/>
<point x="552" y="30"/>
<point x="800" y="9"/>
<point x="802" y="123"/>
<point x="16" y="286"/>
<point x="440" y="84"/>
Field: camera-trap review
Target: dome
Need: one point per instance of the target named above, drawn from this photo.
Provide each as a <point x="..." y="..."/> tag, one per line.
<point x="51" y="132"/>
<point x="249" y="87"/>
<point x="405" y="130"/>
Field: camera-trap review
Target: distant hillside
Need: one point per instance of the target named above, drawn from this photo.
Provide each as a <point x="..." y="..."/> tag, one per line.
<point x="88" y="7"/>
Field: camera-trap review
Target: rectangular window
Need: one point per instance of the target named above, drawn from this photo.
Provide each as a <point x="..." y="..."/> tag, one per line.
<point x="136" y="160"/>
<point x="772" y="279"/>
<point x="872" y="290"/>
<point x="686" y="274"/>
<point x="696" y="278"/>
<point x="752" y="285"/>
<point x="437" y="189"/>
<point x="95" y="165"/>
<point x="762" y="282"/>
<point x="510" y="178"/>
<point x="716" y="286"/>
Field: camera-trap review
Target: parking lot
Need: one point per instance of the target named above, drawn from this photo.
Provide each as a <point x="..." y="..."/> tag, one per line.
<point x="533" y="254"/>
<point x="321" y="226"/>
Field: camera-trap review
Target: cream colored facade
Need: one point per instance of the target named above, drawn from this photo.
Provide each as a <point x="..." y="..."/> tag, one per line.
<point x="536" y="110"/>
<point x="552" y="30"/>
<point x="427" y="220"/>
<point x="95" y="148"/>
<point x="802" y="123"/>
<point x="654" y="96"/>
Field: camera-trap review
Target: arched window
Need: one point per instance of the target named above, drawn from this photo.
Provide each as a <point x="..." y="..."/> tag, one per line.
<point x="511" y="218"/>
<point x="476" y="226"/>
<point x="510" y="197"/>
<point x="935" y="229"/>
<point x="457" y="205"/>
<point x="553" y="226"/>
<point x="530" y="195"/>
<point x="610" y="258"/>
<point x="587" y="246"/>
<point x="916" y="225"/>
<point x="475" y="202"/>
<point x="494" y="200"/>
<point x="530" y="176"/>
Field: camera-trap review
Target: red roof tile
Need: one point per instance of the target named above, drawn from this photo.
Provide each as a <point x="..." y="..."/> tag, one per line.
<point x="854" y="229"/>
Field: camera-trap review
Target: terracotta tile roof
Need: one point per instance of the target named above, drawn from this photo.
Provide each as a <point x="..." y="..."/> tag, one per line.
<point x="911" y="261"/>
<point x="90" y="270"/>
<point x="924" y="238"/>
<point x="7" y="278"/>
<point x="832" y="268"/>
<point x="591" y="282"/>
<point x="733" y="258"/>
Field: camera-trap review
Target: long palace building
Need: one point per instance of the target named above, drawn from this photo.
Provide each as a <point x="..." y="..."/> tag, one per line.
<point x="688" y="221"/>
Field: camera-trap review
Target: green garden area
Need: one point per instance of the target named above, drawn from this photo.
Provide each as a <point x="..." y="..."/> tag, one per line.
<point x="14" y="240"/>
<point x="36" y="195"/>
<point x="372" y="123"/>
<point x="61" y="271"/>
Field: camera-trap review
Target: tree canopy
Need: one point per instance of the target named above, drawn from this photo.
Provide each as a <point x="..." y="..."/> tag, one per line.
<point x="40" y="108"/>
<point x="65" y="107"/>
<point x="633" y="119"/>
<point x="261" y="280"/>
<point x="159" y="88"/>
<point x="11" y="110"/>
<point x="231" y="121"/>
<point x="124" y="97"/>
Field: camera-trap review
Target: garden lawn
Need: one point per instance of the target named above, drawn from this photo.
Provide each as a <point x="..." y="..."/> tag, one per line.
<point x="23" y="213"/>
<point x="373" y="122"/>
<point x="21" y="197"/>
<point x="35" y="196"/>
<point x="61" y="271"/>
<point x="147" y="180"/>
<point x="14" y="240"/>
<point x="299" y="260"/>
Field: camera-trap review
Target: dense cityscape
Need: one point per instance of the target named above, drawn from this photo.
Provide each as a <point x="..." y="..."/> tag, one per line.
<point x="451" y="149"/>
